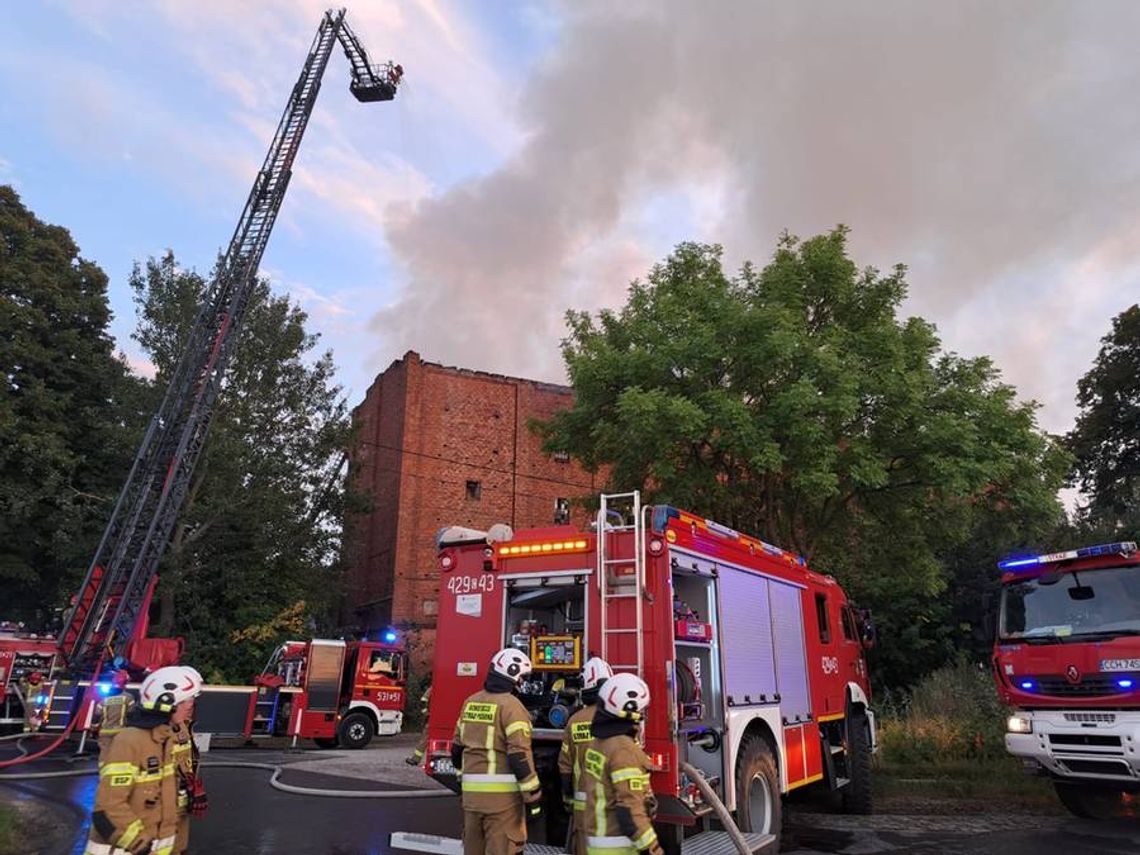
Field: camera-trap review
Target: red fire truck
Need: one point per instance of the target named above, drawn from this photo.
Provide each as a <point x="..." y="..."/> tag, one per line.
<point x="1067" y="659"/>
<point x="334" y="692"/>
<point x="755" y="663"/>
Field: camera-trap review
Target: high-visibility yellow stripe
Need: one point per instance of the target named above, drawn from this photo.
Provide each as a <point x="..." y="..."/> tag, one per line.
<point x="626" y="774"/>
<point x="132" y="832"/>
<point x="832" y="717"/>
<point x="645" y="840"/>
<point x="492" y="760"/>
<point x="117" y="769"/>
<point x="805" y="781"/>
<point x="599" y="809"/>
<point x="515" y="726"/>
<point x="529" y="785"/>
<point x="485" y="787"/>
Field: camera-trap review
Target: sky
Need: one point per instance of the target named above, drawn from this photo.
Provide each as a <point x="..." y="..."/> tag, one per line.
<point x="542" y="154"/>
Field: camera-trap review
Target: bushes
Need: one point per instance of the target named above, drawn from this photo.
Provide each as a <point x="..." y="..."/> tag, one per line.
<point x="952" y="715"/>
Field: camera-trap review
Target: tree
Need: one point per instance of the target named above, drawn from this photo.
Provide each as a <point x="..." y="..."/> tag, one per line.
<point x="70" y="412"/>
<point x="793" y="403"/>
<point x="253" y="555"/>
<point x="1106" y="439"/>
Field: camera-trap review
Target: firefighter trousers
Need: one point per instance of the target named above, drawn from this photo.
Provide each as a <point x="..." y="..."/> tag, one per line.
<point x="499" y="833"/>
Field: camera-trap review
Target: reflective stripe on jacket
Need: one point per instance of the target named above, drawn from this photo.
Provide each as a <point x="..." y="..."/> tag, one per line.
<point x="136" y="796"/>
<point x="575" y="741"/>
<point x="493" y="726"/>
<point x="615" y="780"/>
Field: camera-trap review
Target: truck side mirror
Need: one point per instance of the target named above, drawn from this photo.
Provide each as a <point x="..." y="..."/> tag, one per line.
<point x="866" y="629"/>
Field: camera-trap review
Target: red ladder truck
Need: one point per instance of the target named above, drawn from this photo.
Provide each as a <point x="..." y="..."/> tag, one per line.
<point x="755" y="663"/>
<point x="106" y="625"/>
<point x="1067" y="661"/>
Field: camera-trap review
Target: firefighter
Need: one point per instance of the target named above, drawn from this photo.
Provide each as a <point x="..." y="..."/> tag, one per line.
<point x="191" y="801"/>
<point x="575" y="741"/>
<point x="492" y="757"/>
<point x="31" y="688"/>
<point x="615" y="773"/>
<point x="417" y="756"/>
<point x="136" y="803"/>
<point x="111" y="712"/>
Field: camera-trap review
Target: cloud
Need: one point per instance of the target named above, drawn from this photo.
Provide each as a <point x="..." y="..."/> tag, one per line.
<point x="990" y="146"/>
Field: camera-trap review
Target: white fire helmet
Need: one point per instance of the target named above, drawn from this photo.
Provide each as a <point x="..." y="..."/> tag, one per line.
<point x="596" y="672"/>
<point x="167" y="687"/>
<point x="625" y="696"/>
<point x="511" y="663"/>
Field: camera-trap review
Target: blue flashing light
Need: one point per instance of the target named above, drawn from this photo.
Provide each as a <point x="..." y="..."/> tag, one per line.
<point x="390" y="637"/>
<point x="1124" y="547"/>
<point x="1124" y="683"/>
<point x="41" y="699"/>
<point x="1028" y="685"/>
<point x="104" y="688"/>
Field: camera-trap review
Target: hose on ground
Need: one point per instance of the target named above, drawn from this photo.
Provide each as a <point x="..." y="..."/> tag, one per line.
<point x="718" y="807"/>
<point x="274" y="781"/>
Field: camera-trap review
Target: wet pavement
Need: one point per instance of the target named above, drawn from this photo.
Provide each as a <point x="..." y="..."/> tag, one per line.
<point x="248" y="816"/>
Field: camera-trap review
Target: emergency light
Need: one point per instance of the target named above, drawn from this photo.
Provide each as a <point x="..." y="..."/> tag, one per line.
<point x="104" y="688"/>
<point x="554" y="547"/>
<point x="390" y="637"/>
<point x="1126" y="547"/>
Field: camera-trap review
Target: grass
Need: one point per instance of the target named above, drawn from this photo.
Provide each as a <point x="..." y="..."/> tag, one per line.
<point x="9" y="828"/>
<point x="946" y="739"/>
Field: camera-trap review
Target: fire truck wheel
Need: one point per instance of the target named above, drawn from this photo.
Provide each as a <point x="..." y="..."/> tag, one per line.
<point x="758" y="806"/>
<point x="857" y="796"/>
<point x="355" y="730"/>
<point x="1089" y="802"/>
<point x="322" y="742"/>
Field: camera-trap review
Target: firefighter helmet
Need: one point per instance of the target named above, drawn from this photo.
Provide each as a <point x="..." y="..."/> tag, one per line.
<point x="596" y="672"/>
<point x="624" y="696"/>
<point x="167" y="687"/>
<point x="511" y="663"/>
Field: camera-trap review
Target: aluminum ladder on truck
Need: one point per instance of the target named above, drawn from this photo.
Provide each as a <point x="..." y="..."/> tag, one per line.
<point x="621" y="576"/>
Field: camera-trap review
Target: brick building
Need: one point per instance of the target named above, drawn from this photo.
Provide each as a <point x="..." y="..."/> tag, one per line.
<point x="440" y="446"/>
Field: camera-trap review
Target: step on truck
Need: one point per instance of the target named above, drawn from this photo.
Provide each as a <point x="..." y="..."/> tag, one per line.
<point x="755" y="663"/>
<point x="1067" y="662"/>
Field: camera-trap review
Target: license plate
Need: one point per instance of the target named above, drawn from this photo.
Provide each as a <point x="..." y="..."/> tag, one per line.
<point x="1120" y="665"/>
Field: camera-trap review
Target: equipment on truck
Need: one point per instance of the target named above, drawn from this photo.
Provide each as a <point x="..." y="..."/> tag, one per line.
<point x="755" y="664"/>
<point x="107" y="621"/>
<point x="1067" y="661"/>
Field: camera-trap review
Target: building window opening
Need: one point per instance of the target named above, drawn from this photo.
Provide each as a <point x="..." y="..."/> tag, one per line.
<point x="562" y="511"/>
<point x="474" y="490"/>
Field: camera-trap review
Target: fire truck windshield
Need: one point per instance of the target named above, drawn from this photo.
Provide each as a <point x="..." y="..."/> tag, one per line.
<point x="1098" y="604"/>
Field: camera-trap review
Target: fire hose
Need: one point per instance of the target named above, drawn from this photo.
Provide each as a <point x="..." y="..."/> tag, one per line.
<point x="721" y="811"/>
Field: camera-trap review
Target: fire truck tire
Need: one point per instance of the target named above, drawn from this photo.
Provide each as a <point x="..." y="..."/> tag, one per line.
<point x="1089" y="801"/>
<point x="322" y="742"/>
<point x="355" y="730"/>
<point x="857" y="795"/>
<point x="758" y="806"/>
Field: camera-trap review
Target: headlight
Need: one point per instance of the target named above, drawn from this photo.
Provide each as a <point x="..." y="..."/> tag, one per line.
<point x="1019" y="724"/>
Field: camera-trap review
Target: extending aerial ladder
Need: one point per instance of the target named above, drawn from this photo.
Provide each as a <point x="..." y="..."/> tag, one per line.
<point x="110" y="607"/>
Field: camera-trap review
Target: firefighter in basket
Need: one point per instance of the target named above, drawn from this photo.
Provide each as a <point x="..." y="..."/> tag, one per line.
<point x="620" y="806"/>
<point x="575" y="741"/>
<point x="492" y="757"/>
<point x="136" y="803"/>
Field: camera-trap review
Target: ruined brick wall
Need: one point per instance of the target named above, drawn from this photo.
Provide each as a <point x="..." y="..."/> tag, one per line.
<point x="463" y="455"/>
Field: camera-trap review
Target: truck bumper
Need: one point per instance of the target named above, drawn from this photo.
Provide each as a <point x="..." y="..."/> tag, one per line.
<point x="1081" y="745"/>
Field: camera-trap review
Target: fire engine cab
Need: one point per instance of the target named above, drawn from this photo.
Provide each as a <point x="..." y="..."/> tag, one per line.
<point x="755" y="664"/>
<point x="1067" y="660"/>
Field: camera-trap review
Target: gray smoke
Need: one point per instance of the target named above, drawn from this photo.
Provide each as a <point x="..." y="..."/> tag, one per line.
<point x="993" y="147"/>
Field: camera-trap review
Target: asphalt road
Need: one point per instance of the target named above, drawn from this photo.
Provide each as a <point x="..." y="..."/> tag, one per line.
<point x="247" y="816"/>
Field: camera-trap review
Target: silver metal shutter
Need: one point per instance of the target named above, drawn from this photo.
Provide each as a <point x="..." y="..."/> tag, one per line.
<point x="791" y="667"/>
<point x="749" y="660"/>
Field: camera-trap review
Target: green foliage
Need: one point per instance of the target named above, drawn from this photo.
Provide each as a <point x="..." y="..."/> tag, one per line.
<point x="70" y="412"/>
<point x="950" y="715"/>
<point x="793" y="403"/>
<point x="253" y="558"/>
<point x="1106" y="439"/>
